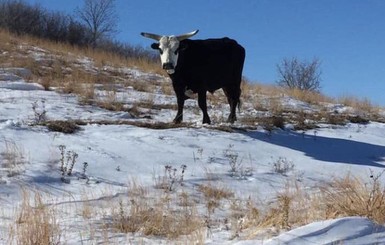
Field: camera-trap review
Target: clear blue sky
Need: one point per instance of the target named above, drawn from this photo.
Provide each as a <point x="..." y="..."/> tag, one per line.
<point x="348" y="36"/>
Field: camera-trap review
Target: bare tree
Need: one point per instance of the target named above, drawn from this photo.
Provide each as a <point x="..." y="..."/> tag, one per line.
<point x="301" y="75"/>
<point x="77" y="33"/>
<point x="55" y="26"/>
<point x="21" y="18"/>
<point x="100" y="17"/>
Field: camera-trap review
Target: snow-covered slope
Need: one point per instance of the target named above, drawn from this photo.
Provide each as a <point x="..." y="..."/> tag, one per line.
<point x="349" y="230"/>
<point x="244" y="161"/>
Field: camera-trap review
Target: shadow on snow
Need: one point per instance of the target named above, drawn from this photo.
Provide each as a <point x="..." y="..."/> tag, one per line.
<point x="327" y="149"/>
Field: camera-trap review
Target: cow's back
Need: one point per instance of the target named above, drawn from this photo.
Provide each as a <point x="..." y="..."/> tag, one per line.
<point x="210" y="63"/>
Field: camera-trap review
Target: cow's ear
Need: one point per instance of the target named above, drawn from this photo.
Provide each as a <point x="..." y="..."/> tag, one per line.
<point x="182" y="47"/>
<point x="155" y="46"/>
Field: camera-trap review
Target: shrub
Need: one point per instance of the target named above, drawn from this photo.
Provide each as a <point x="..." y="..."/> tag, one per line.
<point x="283" y="166"/>
<point x="39" y="111"/>
<point x="67" y="163"/>
<point x="170" y="178"/>
<point x="302" y="75"/>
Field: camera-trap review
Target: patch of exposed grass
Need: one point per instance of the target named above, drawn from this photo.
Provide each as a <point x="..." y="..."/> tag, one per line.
<point x="267" y="122"/>
<point x="217" y="193"/>
<point x="310" y="97"/>
<point x="353" y="196"/>
<point x="36" y="223"/>
<point x="154" y="214"/>
<point x="290" y="208"/>
<point x="305" y="121"/>
<point x="336" y="119"/>
<point x="62" y="126"/>
<point x="213" y="196"/>
<point x="358" y="119"/>
<point x="12" y="159"/>
<point x="341" y="197"/>
<point x="362" y="105"/>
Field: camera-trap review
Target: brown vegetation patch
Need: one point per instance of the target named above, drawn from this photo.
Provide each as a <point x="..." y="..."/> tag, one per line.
<point x="213" y="195"/>
<point x="72" y="126"/>
<point x="358" y="119"/>
<point x="352" y="196"/>
<point x="36" y="222"/>
<point x="67" y="127"/>
<point x="12" y="158"/>
<point x="213" y="192"/>
<point x="153" y="106"/>
<point x="155" y="214"/>
<point x="267" y="122"/>
<point x="336" y="119"/>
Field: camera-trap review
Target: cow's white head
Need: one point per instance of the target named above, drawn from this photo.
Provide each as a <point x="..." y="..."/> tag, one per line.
<point x="168" y="47"/>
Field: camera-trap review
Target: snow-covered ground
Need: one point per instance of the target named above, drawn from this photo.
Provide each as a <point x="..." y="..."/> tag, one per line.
<point x="117" y="154"/>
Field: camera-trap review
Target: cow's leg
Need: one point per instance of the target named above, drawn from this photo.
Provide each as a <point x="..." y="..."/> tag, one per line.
<point x="202" y="102"/>
<point x="180" y="98"/>
<point x="232" y="95"/>
<point x="230" y="101"/>
<point x="233" y="115"/>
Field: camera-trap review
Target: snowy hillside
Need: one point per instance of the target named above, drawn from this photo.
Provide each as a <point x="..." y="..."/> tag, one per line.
<point x="247" y="183"/>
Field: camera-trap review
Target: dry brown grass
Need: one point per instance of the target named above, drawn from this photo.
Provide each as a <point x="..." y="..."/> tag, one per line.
<point x="110" y="101"/>
<point x="12" y="158"/>
<point x="213" y="196"/>
<point x="62" y="126"/>
<point x="290" y="208"/>
<point x="10" y="41"/>
<point x="216" y="99"/>
<point x="251" y="90"/>
<point x="307" y="96"/>
<point x="60" y="66"/>
<point x="87" y="211"/>
<point x="59" y="63"/>
<point x="214" y="192"/>
<point x="36" y="223"/>
<point x="166" y="88"/>
<point x="254" y="92"/>
<point x="353" y="196"/>
<point x="363" y="106"/>
<point x="87" y="95"/>
<point x="156" y="214"/>
<point x="341" y="197"/>
<point x="174" y="215"/>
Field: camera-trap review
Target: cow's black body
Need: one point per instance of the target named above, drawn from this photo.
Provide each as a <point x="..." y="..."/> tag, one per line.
<point x="208" y="65"/>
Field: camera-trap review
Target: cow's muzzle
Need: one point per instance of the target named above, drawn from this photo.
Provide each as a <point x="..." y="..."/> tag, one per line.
<point x="168" y="66"/>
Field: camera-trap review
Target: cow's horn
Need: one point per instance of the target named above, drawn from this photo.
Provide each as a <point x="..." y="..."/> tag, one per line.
<point x="152" y="36"/>
<point x="187" y="35"/>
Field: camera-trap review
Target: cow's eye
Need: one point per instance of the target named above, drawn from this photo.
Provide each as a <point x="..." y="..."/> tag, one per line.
<point x="160" y="51"/>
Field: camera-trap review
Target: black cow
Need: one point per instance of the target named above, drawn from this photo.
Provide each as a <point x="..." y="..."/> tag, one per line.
<point x="199" y="66"/>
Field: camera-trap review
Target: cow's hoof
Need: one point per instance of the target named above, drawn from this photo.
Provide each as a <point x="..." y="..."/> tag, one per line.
<point x="231" y="120"/>
<point x="177" y="121"/>
<point x="206" y="121"/>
